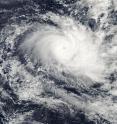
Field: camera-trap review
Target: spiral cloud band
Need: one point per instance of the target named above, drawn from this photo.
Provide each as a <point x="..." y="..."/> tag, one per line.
<point x="70" y="47"/>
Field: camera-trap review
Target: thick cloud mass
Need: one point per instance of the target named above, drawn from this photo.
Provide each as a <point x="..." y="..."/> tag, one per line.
<point x="70" y="46"/>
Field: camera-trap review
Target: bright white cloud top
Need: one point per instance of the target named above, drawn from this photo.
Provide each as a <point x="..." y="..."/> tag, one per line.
<point x="70" y="47"/>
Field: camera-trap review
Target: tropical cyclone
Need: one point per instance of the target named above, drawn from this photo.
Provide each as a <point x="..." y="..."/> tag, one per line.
<point x="58" y="57"/>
